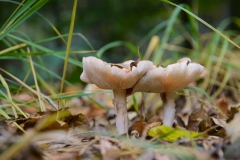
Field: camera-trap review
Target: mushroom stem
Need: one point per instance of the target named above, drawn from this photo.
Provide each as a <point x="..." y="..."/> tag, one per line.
<point x="120" y="104"/>
<point x="169" y="108"/>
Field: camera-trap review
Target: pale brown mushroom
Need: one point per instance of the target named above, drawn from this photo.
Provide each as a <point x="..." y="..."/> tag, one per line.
<point x="167" y="80"/>
<point x="118" y="77"/>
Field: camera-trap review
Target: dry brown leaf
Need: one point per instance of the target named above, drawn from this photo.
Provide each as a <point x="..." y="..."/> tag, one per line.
<point x="211" y="128"/>
<point x="219" y="122"/>
<point x="108" y="151"/>
<point x="137" y="128"/>
<point x="100" y="124"/>
<point x="223" y="106"/>
<point x="53" y="120"/>
<point x="96" y="111"/>
<point x="232" y="113"/>
<point x="195" y="118"/>
<point x="232" y="128"/>
<point x="213" y="145"/>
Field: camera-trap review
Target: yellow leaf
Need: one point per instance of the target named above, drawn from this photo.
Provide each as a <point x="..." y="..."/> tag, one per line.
<point x="171" y="134"/>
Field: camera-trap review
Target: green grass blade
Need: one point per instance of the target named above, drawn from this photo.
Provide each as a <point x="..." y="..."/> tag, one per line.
<point x="226" y="78"/>
<point x="202" y="21"/>
<point x="98" y="103"/>
<point x="22" y="18"/>
<point x="194" y="30"/>
<point x="159" y="53"/>
<point x="226" y="63"/>
<point x="71" y="60"/>
<point x="130" y="46"/>
<point x="30" y="43"/>
<point x="66" y="35"/>
<point x="7" y="117"/>
<point x="46" y="50"/>
<point x="28" y="87"/>
<point x="20" y="10"/>
<point x="45" y="85"/>
<point x="135" y="105"/>
<point x="153" y="32"/>
<point x="44" y="69"/>
<point x="54" y="28"/>
<point x="50" y="72"/>
<point x="108" y="46"/>
<point x="74" y="95"/>
<point x="38" y="53"/>
<point x="211" y="51"/>
<point x="219" y="62"/>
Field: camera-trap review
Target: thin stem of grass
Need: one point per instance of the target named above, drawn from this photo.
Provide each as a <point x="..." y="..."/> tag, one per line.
<point x="218" y="65"/>
<point x="13" y="104"/>
<point x="13" y="48"/>
<point x="41" y="104"/>
<point x="223" y="83"/>
<point x="69" y="44"/>
<point x="9" y="94"/>
<point x="30" y="89"/>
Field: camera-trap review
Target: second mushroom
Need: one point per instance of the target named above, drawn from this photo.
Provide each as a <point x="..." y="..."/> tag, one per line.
<point x="167" y="80"/>
<point x="119" y="78"/>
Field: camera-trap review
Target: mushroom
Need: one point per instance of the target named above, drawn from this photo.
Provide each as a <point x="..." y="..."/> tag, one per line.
<point x="119" y="78"/>
<point x="167" y="80"/>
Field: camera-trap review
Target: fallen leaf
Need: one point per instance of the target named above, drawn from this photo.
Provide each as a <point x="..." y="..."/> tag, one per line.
<point x="137" y="128"/>
<point x="209" y="126"/>
<point x="223" y="106"/>
<point x="171" y="134"/>
<point x="53" y="120"/>
<point x="232" y="128"/>
<point x="232" y="113"/>
<point x="213" y="145"/>
<point x="195" y="118"/>
<point x="108" y="151"/>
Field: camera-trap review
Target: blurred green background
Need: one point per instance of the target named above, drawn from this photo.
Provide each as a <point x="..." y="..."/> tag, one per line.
<point x="106" y="21"/>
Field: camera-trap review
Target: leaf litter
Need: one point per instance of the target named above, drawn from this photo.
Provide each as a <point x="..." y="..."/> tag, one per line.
<point x="69" y="134"/>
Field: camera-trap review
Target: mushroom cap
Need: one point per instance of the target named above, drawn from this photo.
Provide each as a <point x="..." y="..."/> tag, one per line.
<point x="174" y="77"/>
<point x="113" y="76"/>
